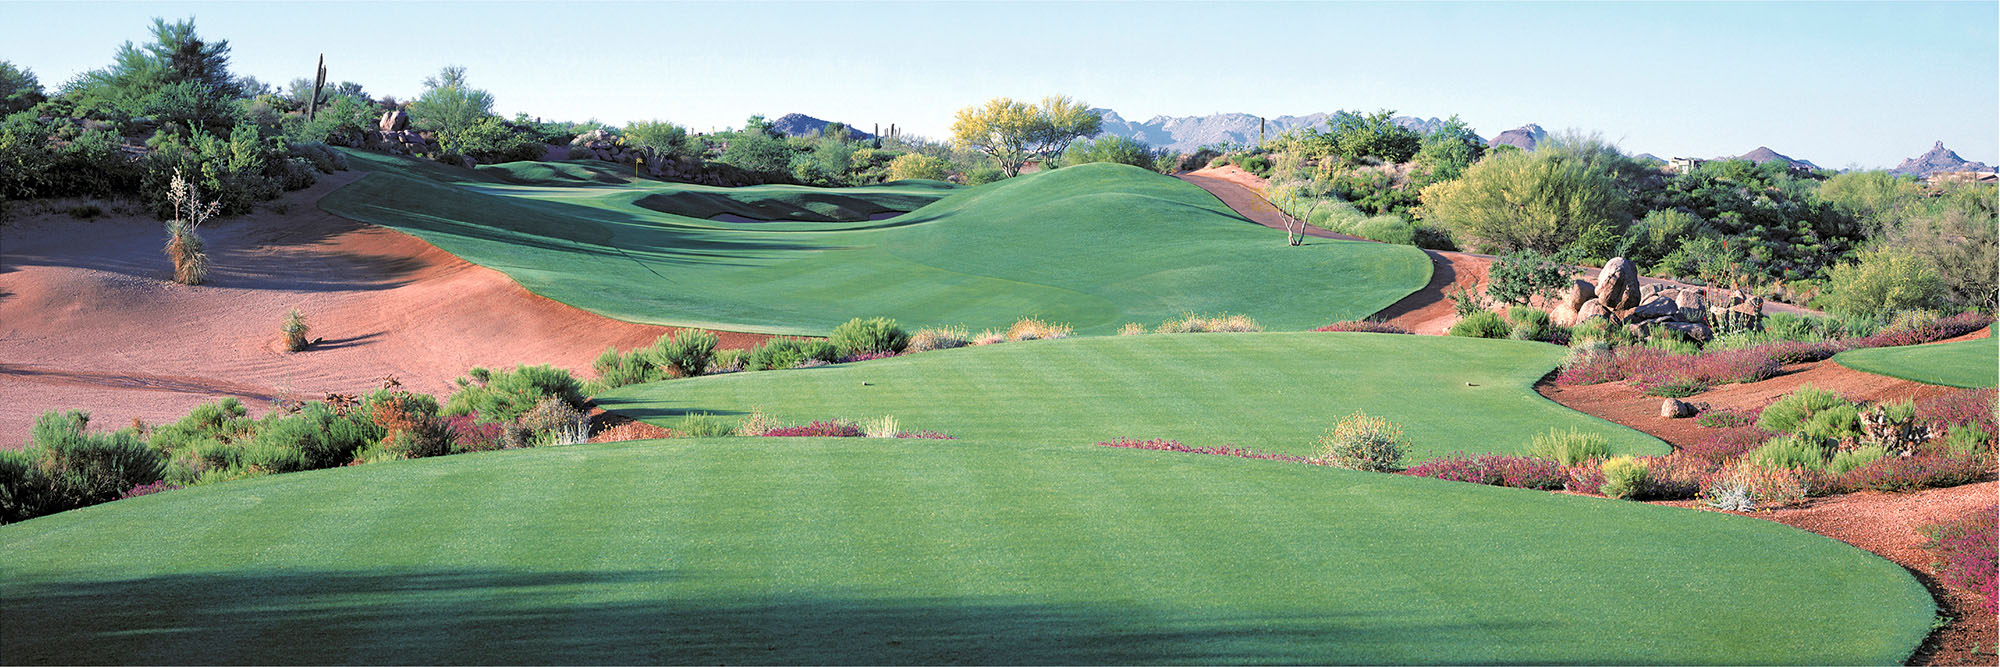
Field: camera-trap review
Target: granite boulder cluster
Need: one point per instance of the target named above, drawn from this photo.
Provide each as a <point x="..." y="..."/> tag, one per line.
<point x="1620" y="296"/>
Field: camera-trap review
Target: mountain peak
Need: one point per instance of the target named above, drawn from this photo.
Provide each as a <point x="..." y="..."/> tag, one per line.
<point x="799" y="125"/>
<point x="1525" y="137"/>
<point x="1938" y="159"/>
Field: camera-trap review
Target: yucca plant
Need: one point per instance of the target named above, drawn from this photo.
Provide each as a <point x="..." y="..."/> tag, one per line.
<point x="184" y="247"/>
<point x="295" y="330"/>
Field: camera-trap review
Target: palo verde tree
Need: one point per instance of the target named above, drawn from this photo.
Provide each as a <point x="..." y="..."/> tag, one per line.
<point x="1013" y="132"/>
<point x="450" y="108"/>
<point x="1564" y="193"/>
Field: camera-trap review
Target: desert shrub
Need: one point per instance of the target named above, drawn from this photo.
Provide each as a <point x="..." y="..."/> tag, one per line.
<point x="468" y="434"/>
<point x="24" y="491"/>
<point x="1624" y="477"/>
<point x="777" y="354"/>
<point x="1727" y="444"/>
<point x="1968" y="555"/>
<point x="1192" y="323"/>
<point x="1935" y="330"/>
<point x="615" y="369"/>
<point x="1361" y="442"/>
<point x="161" y="486"/>
<point x="938" y="338"/>
<point x="838" y="428"/>
<point x="755" y="424"/>
<point x="1846" y="460"/>
<point x="703" y="425"/>
<point x="1482" y="324"/>
<point x="1364" y="326"/>
<point x="1522" y="472"/>
<point x="989" y="337"/>
<point x="322" y="157"/>
<point x="1837" y="424"/>
<point x="1110" y="148"/>
<point x="555" y="422"/>
<point x="1674" y="477"/>
<point x="1975" y="407"/>
<point x="1387" y="229"/>
<point x="75" y="468"/>
<point x="1029" y="328"/>
<point x="1968" y="440"/>
<point x="1790" y="452"/>
<point x="877" y="334"/>
<point x="727" y="361"/>
<point x="1793" y="410"/>
<point x="505" y="395"/>
<point x="1522" y="276"/>
<point x="683" y="352"/>
<point x="1725" y="418"/>
<point x="1569" y="447"/>
<point x="1564" y="192"/>
<point x="1925" y="470"/>
<point x="917" y="165"/>
<point x="1883" y="281"/>
<point x="1529" y="323"/>
<point x="883" y="427"/>
<point x="1132" y="329"/>
<point x="315" y="438"/>
<point x="294" y="330"/>
<point x="1746" y="487"/>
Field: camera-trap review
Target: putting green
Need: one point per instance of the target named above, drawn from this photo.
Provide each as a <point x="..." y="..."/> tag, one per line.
<point x="1966" y="363"/>
<point x="879" y="551"/>
<point x="1095" y="245"/>
<point x="1269" y="391"/>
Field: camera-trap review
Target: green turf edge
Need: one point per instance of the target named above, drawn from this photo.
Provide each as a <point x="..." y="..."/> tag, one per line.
<point x="1969" y="364"/>
<point x="294" y="616"/>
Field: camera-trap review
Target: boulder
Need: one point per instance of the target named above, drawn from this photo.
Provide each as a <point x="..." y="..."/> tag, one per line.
<point x="1674" y="408"/>
<point x="395" y="121"/>
<point x="1695" y="330"/>
<point x="1693" y="305"/>
<point x="1618" y="284"/>
<point x="1592" y="309"/>
<point x="1648" y="291"/>
<point x="1563" y="314"/>
<point x="1579" y="292"/>
<point x="1656" y="308"/>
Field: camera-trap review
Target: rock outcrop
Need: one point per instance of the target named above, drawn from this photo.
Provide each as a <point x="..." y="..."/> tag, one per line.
<point x="1619" y="297"/>
<point x="1618" y="284"/>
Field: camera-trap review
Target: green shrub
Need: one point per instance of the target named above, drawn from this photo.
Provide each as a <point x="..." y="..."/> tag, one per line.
<point x="295" y="329"/>
<point x="1624" y="477"/>
<point x="24" y="491"/>
<point x="315" y="438"/>
<point x="553" y="422"/>
<point x="940" y="338"/>
<point x="1529" y="323"/>
<point x="683" y="352"/>
<point x="221" y="420"/>
<point x="1844" y="461"/>
<point x="728" y="361"/>
<point x="503" y="396"/>
<point x="1361" y="442"/>
<point x="703" y="425"/>
<point x="1840" y="423"/>
<point x="1482" y="324"/>
<point x="777" y="354"/>
<point x="1792" y="411"/>
<point x="1520" y="276"/>
<point x="1882" y="282"/>
<point x="1790" y="452"/>
<point x="873" y="335"/>
<point x="1387" y="229"/>
<point x="1569" y="447"/>
<point x="617" y="370"/>
<point x="81" y="468"/>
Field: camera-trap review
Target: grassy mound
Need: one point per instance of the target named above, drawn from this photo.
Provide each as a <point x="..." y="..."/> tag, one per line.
<point x="1966" y="363"/>
<point x="1273" y="392"/>
<point x="795" y="202"/>
<point x="880" y="551"/>
<point x="1095" y="246"/>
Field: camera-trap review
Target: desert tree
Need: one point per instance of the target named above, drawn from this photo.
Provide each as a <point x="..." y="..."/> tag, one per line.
<point x="1012" y="132"/>
<point x="1296" y="201"/>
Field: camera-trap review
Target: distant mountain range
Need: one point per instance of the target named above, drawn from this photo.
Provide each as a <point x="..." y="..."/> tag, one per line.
<point x="1187" y="133"/>
<point x="1524" y="137"/>
<point x="799" y="125"/>
<point x="1938" y="159"/>
<point x="1764" y="154"/>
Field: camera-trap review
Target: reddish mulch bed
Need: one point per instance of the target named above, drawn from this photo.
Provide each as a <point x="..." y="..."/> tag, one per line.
<point x="1882" y="523"/>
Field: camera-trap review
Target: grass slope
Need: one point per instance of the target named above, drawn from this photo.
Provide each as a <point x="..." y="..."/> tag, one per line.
<point x="873" y="551"/>
<point x="1270" y="391"/>
<point x="1094" y="245"/>
<point x="797" y="202"/>
<point x="1966" y="363"/>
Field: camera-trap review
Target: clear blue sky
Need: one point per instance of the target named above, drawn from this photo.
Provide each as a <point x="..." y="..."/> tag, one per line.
<point x="1842" y="84"/>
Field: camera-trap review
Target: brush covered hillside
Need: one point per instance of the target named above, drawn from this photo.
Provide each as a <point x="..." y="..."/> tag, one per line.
<point x="1095" y="245"/>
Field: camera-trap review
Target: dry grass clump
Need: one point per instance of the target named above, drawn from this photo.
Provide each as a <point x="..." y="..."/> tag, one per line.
<point x="1030" y="328"/>
<point x="295" y="330"/>
<point x="1131" y="329"/>
<point x="886" y="427"/>
<point x="989" y="337"/>
<point x="1192" y="323"/>
<point x="938" y="338"/>
<point x="184" y="247"/>
<point x="756" y="424"/>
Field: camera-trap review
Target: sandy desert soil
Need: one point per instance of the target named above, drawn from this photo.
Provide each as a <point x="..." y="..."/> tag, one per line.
<point x="89" y="319"/>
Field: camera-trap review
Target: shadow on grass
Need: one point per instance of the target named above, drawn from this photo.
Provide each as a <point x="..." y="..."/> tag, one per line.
<point x="530" y="617"/>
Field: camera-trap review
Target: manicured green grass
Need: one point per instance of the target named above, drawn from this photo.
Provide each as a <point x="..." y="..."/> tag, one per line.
<point x="1966" y="363"/>
<point x="797" y="202"/>
<point x="1271" y="391"/>
<point x="1095" y="246"/>
<point x="879" y="551"/>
